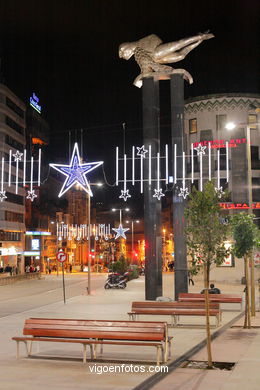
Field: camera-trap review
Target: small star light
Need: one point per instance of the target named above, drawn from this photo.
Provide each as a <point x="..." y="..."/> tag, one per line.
<point x="31" y="195"/>
<point x="120" y="231"/>
<point x="124" y="195"/>
<point x="200" y="150"/>
<point x="184" y="193"/>
<point x="141" y="151"/>
<point x="2" y="196"/>
<point x="75" y="172"/>
<point x="219" y="191"/>
<point x="17" y="156"/>
<point x="158" y="194"/>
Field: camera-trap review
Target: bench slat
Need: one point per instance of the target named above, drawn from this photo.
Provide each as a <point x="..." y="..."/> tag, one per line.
<point x="93" y="328"/>
<point x="141" y="324"/>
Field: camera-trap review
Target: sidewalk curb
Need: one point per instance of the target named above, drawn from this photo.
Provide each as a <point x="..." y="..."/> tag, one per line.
<point x="151" y="381"/>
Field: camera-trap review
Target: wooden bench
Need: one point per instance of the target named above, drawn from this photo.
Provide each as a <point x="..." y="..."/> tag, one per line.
<point x="216" y="298"/>
<point x="173" y="309"/>
<point x="93" y="332"/>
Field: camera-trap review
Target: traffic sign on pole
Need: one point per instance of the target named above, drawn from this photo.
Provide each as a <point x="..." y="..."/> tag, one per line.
<point x="61" y="256"/>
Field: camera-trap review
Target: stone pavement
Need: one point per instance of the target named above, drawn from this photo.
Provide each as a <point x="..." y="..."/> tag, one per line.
<point x="65" y="369"/>
<point x="236" y="345"/>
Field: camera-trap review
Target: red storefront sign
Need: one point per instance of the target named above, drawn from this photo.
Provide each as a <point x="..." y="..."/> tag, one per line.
<point x="221" y="143"/>
<point x="239" y="206"/>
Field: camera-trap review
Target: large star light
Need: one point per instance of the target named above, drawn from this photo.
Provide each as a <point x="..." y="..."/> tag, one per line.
<point x="120" y="231"/>
<point x="158" y="194"/>
<point x="141" y="151"/>
<point x="76" y="172"/>
<point x="124" y="195"/>
<point x="184" y="193"/>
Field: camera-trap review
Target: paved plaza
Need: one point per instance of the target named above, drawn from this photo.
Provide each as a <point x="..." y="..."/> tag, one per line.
<point x="57" y="366"/>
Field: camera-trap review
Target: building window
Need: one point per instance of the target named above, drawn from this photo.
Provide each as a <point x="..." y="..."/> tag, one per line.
<point x="256" y="189"/>
<point x="252" y="121"/>
<point x="255" y="157"/>
<point x="14" y="198"/>
<point x="13" y="143"/>
<point x="14" y="107"/>
<point x="19" y="129"/>
<point x="193" y="126"/>
<point x="221" y="121"/>
<point x="13" y="217"/>
<point x="10" y="236"/>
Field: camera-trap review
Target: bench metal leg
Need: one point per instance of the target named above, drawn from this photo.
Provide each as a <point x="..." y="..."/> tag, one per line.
<point x="30" y="348"/>
<point x="101" y="348"/>
<point x="26" y="347"/>
<point x="170" y="348"/>
<point x="91" y="351"/>
<point x="175" y="318"/>
<point x="163" y="355"/>
<point x="17" y="349"/>
<point x="84" y="353"/>
<point x="158" y="355"/>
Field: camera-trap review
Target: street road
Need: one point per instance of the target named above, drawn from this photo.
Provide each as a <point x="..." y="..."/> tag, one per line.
<point x="30" y="294"/>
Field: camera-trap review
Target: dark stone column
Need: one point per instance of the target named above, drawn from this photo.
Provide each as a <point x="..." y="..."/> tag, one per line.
<point x="152" y="207"/>
<point x="177" y="125"/>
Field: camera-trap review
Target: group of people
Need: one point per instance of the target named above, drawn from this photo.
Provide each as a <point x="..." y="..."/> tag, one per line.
<point x="12" y="270"/>
<point x="31" y="268"/>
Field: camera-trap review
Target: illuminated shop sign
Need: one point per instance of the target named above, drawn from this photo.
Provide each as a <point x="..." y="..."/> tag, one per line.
<point x="239" y="206"/>
<point x="37" y="233"/>
<point x="31" y="253"/>
<point x="35" y="244"/>
<point x="221" y="143"/>
<point x="34" y="102"/>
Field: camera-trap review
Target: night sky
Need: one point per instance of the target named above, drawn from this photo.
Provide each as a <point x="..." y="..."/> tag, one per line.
<point x="67" y="53"/>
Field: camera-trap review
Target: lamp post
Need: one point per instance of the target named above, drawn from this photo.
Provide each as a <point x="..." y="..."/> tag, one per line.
<point x="232" y="126"/>
<point x="120" y="213"/>
<point x="132" y="231"/>
<point x="88" y="218"/>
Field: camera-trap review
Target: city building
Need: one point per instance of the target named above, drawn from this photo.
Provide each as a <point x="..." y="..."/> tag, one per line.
<point x="206" y="121"/>
<point x="12" y="208"/>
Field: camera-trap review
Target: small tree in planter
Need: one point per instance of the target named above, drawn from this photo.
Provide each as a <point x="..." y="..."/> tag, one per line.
<point x="205" y="240"/>
<point x="246" y="236"/>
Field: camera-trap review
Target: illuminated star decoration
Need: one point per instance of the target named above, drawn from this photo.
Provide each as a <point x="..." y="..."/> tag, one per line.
<point x="200" y="150"/>
<point x="219" y="191"/>
<point x="76" y="172"/>
<point x="184" y="193"/>
<point x="158" y="194"/>
<point x="124" y="195"/>
<point x="17" y="156"/>
<point x="2" y="196"/>
<point x="141" y="151"/>
<point x="120" y="231"/>
<point x="31" y="195"/>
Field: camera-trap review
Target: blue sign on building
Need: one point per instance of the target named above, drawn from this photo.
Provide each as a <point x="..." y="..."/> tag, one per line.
<point x="34" y="102"/>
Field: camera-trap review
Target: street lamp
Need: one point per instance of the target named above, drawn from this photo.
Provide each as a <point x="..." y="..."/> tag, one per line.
<point x="132" y="231"/>
<point x="120" y="213"/>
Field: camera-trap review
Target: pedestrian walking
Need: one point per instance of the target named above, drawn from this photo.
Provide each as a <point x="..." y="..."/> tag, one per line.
<point x="190" y="277"/>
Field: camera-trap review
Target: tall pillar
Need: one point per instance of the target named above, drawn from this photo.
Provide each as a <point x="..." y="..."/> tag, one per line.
<point x="177" y="130"/>
<point x="152" y="207"/>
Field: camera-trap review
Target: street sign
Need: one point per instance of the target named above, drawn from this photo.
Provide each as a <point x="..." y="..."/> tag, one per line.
<point x="61" y="256"/>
